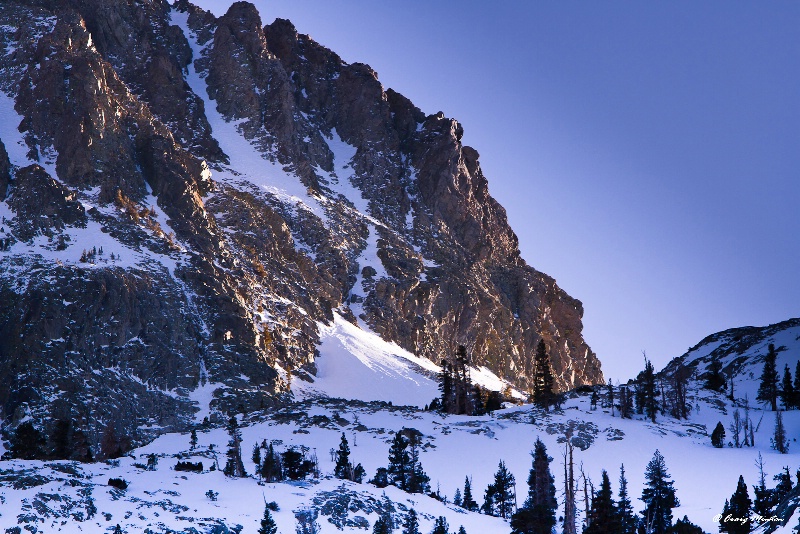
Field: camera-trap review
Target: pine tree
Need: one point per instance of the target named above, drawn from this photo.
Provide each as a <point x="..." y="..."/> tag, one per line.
<point x="784" y="486"/>
<point x="796" y="386"/>
<point x="538" y="514"/>
<point x="787" y="393"/>
<point x="440" y="526"/>
<point x="542" y="377"/>
<point x="779" y="441"/>
<point x="383" y="525"/>
<point x="684" y="526"/>
<point x="625" y="403"/>
<point x="418" y="481"/>
<point x="718" y="436"/>
<point x="768" y="388"/>
<point x="446" y="387"/>
<point x="268" y="525"/>
<point x="234" y="467"/>
<point x="736" y="515"/>
<point x="457" y="497"/>
<point x="610" y="396"/>
<point x="462" y="530"/>
<point x="499" y="498"/>
<point x="678" y="389"/>
<point x="397" y="471"/>
<point x="659" y="496"/>
<point x="359" y="473"/>
<point x="494" y="401"/>
<point x="603" y="515"/>
<point x="627" y="519"/>
<point x="193" y="440"/>
<point x="648" y="378"/>
<point x="256" y="456"/>
<point x="462" y="383"/>
<point x="61" y="440"/>
<point x="467" y="502"/>
<point x="714" y="379"/>
<point x="343" y="467"/>
<point x="271" y="469"/>
<point x="27" y="442"/>
<point x="411" y="523"/>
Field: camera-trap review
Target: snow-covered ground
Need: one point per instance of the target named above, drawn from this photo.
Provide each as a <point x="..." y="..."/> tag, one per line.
<point x="454" y="447"/>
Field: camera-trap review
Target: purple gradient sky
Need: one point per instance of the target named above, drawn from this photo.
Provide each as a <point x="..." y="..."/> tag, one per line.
<point x="647" y="153"/>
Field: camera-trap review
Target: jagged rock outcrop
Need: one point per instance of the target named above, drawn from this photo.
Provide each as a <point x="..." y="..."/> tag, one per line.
<point x="249" y="184"/>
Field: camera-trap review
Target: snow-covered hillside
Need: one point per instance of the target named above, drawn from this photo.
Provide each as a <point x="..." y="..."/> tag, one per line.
<point x="369" y="390"/>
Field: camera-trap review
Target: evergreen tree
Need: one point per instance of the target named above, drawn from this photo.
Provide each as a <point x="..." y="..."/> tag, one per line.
<point x="638" y="393"/>
<point x="494" y="401"/>
<point x="610" y="396"/>
<point x="768" y="388"/>
<point x="593" y="400"/>
<point x="714" y="379"/>
<point x="779" y="441"/>
<point x="418" y="480"/>
<point x="603" y="515"/>
<point x="542" y="377"/>
<point x="411" y="523"/>
<point x="679" y="382"/>
<point x="499" y="498"/>
<point x="649" y="392"/>
<point x="684" y="526"/>
<point x="796" y="386"/>
<point x="256" y="456"/>
<point x="625" y="403"/>
<point x="467" y="502"/>
<point x="381" y="479"/>
<point x="268" y="525"/>
<point x="397" y="471"/>
<point x="440" y="526"/>
<point x="343" y="467"/>
<point x="359" y="473"/>
<point x="383" y="525"/>
<point x="718" y="436"/>
<point x="193" y="440"/>
<point x="447" y="400"/>
<point x="462" y="530"/>
<point x="784" y="486"/>
<point x="61" y="440"/>
<point x="538" y="514"/>
<point x="271" y="468"/>
<point x="457" y="497"/>
<point x="27" y="442"/>
<point x="659" y="496"/>
<point x="462" y="383"/>
<point x="405" y="470"/>
<point x="736" y="519"/>
<point x="787" y="393"/>
<point x="627" y="519"/>
<point x="234" y="467"/>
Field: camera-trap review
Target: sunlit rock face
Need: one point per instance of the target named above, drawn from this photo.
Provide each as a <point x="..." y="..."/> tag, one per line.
<point x="186" y="199"/>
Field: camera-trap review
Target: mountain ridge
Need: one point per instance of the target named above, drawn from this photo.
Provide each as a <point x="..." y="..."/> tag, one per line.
<point x="244" y="182"/>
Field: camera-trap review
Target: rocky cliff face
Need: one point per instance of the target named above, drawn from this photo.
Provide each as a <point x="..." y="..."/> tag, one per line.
<point x="186" y="198"/>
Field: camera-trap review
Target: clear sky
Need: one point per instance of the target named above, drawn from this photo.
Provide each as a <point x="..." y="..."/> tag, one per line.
<point x="647" y="153"/>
